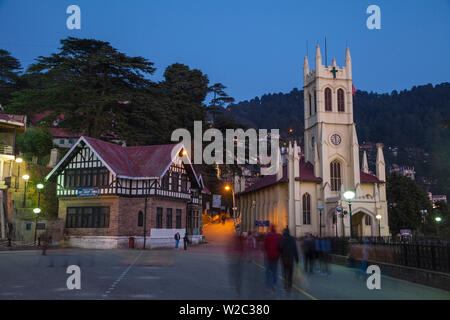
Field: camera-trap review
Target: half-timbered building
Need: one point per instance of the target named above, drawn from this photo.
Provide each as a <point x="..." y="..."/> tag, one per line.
<point x="108" y="193"/>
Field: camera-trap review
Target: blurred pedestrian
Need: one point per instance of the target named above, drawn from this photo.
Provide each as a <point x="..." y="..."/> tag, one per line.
<point x="272" y="255"/>
<point x="365" y="257"/>
<point x="45" y="239"/>
<point x="309" y="253"/>
<point x="325" y="248"/>
<point x="185" y="240"/>
<point x="288" y="251"/>
<point x="177" y="238"/>
<point x="236" y="256"/>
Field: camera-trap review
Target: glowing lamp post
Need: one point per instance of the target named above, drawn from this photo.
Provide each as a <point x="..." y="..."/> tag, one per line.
<point x="36" y="212"/>
<point x="349" y="196"/>
<point x="379" y="224"/>
<point x="25" y="177"/>
<point x="229" y="188"/>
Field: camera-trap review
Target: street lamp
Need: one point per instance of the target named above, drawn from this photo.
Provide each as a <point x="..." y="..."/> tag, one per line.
<point x="228" y="188"/>
<point x="379" y="224"/>
<point x="39" y="186"/>
<point x="36" y="212"/>
<point x="18" y="161"/>
<point x="349" y="195"/>
<point x="320" y="208"/>
<point x="437" y="219"/>
<point x="423" y="213"/>
<point x="25" y="177"/>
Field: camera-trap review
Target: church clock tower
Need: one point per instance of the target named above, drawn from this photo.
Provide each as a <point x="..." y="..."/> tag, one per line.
<point x="331" y="143"/>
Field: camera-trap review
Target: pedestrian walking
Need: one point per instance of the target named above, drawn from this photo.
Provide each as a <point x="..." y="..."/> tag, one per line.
<point x="185" y="240"/>
<point x="309" y="253"/>
<point x="288" y="251"/>
<point x="177" y="238"/>
<point x="325" y="248"/>
<point x="272" y="255"/>
<point x="45" y="239"/>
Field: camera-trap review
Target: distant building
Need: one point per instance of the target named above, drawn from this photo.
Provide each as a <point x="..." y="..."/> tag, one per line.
<point x="437" y="197"/>
<point x="403" y="170"/>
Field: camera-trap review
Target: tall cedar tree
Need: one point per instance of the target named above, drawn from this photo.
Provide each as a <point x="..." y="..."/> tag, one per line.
<point x="176" y="102"/>
<point x="9" y="76"/>
<point x="86" y="81"/>
<point x="220" y="97"/>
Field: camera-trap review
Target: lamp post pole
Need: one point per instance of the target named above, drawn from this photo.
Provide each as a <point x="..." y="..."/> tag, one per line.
<point x="229" y="187"/>
<point x="379" y="225"/>
<point x="320" y="208"/>
<point x="342" y="222"/>
<point x="350" y="212"/>
<point x="349" y="195"/>
<point x="25" y="177"/>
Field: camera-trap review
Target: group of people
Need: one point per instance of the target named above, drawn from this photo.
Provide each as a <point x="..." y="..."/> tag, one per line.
<point x="281" y="250"/>
<point x="316" y="249"/>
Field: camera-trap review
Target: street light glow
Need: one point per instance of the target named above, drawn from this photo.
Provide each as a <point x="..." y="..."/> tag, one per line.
<point x="19" y="160"/>
<point x="37" y="210"/>
<point x="438" y="219"/>
<point x="25" y="177"/>
<point x="40" y="186"/>
<point x="227" y="188"/>
<point x="378" y="216"/>
<point x="349" y="195"/>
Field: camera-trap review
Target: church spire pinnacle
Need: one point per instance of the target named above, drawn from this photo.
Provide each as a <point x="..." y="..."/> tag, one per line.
<point x="365" y="165"/>
<point x="305" y="67"/>
<point x="348" y="61"/>
<point x="318" y="58"/>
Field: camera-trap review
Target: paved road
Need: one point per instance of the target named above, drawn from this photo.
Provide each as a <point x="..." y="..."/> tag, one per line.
<point x="201" y="272"/>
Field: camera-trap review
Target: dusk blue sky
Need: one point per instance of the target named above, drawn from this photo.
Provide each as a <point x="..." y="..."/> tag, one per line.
<point x="251" y="46"/>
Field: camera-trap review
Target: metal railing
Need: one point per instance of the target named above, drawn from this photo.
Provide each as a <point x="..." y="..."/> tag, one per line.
<point x="423" y="254"/>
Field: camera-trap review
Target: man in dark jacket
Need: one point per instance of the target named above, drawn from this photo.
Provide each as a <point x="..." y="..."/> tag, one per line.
<point x="289" y="254"/>
<point x="272" y="254"/>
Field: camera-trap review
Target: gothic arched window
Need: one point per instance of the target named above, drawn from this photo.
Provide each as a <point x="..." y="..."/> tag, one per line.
<point x="340" y="96"/>
<point x="310" y="105"/>
<point x="315" y="102"/>
<point x="306" y="208"/>
<point x="328" y="99"/>
<point x="335" y="174"/>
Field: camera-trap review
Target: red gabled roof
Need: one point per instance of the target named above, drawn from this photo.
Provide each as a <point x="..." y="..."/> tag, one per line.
<point x="306" y="174"/>
<point x="136" y="162"/>
<point x="61" y="133"/>
<point x="13" y="118"/>
<point x="368" y="178"/>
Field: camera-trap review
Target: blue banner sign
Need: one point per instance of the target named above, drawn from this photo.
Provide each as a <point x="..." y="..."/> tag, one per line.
<point x="87" y="192"/>
<point x="262" y="223"/>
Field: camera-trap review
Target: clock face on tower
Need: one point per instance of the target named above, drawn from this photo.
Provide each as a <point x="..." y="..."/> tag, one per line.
<point x="336" y="139"/>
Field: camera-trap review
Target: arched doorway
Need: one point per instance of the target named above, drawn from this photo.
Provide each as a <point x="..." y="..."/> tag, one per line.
<point x="363" y="222"/>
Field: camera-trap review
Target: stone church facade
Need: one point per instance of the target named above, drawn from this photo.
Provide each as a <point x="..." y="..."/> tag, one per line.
<point x="307" y="193"/>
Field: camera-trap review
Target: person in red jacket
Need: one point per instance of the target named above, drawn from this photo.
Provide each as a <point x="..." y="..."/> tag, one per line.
<point x="272" y="255"/>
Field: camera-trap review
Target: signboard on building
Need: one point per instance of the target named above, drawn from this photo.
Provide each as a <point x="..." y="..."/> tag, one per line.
<point x="405" y="232"/>
<point x="87" y="192"/>
<point x="262" y="223"/>
<point x="216" y="201"/>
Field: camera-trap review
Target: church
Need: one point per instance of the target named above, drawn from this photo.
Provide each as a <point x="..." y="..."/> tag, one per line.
<point x="307" y="194"/>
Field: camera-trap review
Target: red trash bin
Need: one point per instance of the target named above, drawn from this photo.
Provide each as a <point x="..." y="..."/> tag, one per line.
<point x="131" y="242"/>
